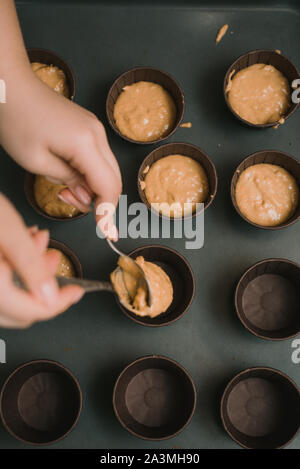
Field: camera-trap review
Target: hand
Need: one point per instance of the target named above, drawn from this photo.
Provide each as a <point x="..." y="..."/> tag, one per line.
<point x="48" y="134"/>
<point x="23" y="251"/>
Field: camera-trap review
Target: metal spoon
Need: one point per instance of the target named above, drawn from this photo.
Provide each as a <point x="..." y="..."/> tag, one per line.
<point x="136" y="270"/>
<point x="97" y="285"/>
<point x="87" y="285"/>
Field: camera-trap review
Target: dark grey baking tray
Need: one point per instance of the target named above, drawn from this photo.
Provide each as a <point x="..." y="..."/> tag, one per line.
<point x="94" y="339"/>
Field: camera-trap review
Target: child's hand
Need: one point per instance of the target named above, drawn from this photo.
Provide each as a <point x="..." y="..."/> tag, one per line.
<point x="48" y="134"/>
<point x="23" y="251"/>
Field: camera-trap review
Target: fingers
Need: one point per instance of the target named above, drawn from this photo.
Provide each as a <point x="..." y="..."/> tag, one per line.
<point x="104" y="213"/>
<point x="41" y="240"/>
<point x="53" y="259"/>
<point x="22" y="308"/>
<point x="60" y="172"/>
<point x="22" y="253"/>
<point x="104" y="147"/>
<point x="68" y="197"/>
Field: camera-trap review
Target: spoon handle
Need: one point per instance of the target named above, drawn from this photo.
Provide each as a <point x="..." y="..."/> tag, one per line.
<point x="114" y="248"/>
<point x="87" y="285"/>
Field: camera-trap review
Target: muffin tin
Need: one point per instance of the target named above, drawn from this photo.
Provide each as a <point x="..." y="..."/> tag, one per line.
<point x="208" y="341"/>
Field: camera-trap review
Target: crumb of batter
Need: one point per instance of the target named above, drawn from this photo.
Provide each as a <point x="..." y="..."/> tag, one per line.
<point x="142" y="184"/>
<point x="52" y="76"/>
<point x="145" y="111"/>
<point x="267" y="194"/>
<point x="146" y="169"/>
<point x="221" y="33"/>
<point x="186" y="125"/>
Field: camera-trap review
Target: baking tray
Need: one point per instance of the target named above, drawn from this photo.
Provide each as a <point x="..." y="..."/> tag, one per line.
<point x="94" y="338"/>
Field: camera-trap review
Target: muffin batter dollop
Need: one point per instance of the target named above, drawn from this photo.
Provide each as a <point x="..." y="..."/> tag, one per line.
<point x="260" y="94"/>
<point x="144" y="111"/>
<point x="176" y="180"/>
<point x="267" y="194"/>
<point x="53" y="76"/>
<point x="65" y="267"/>
<point x="46" y="196"/>
<point x="160" y="285"/>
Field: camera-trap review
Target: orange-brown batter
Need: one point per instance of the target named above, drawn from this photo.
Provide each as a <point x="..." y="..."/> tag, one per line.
<point x="176" y="180"/>
<point x="53" y="76"/>
<point x="221" y="33"/>
<point x="267" y="194"/>
<point x="46" y="192"/>
<point x="260" y="94"/>
<point x="65" y="267"/>
<point x="159" y="282"/>
<point x="144" y="111"/>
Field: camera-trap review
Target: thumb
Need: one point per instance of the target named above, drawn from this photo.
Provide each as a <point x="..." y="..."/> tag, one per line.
<point x="20" y="250"/>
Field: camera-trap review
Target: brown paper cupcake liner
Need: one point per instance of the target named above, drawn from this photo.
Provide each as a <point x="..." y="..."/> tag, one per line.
<point x="145" y="74"/>
<point x="182" y="277"/>
<point x="48" y="57"/>
<point x="260" y="409"/>
<point x="267" y="299"/>
<point x="185" y="149"/>
<point x="29" y="193"/>
<point x="275" y="157"/>
<point x="40" y="402"/>
<point x="269" y="57"/>
<point x="154" y="398"/>
<point x="53" y="243"/>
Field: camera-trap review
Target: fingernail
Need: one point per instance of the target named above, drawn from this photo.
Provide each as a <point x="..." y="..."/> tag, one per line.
<point x="78" y="295"/>
<point x="65" y="200"/>
<point x="48" y="291"/>
<point x="82" y="195"/>
<point x="34" y="229"/>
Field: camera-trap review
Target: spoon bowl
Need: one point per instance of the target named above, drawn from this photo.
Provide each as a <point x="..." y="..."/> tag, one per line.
<point x="136" y="271"/>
